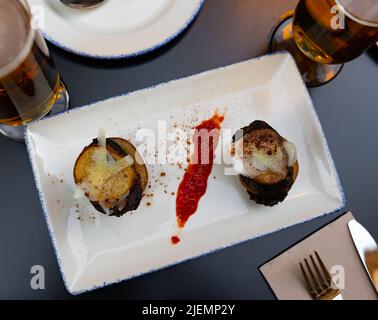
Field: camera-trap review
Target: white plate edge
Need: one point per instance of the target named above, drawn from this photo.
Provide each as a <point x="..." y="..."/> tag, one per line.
<point x="154" y="87"/>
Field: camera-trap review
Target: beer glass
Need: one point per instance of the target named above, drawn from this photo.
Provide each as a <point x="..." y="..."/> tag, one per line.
<point x="322" y="35"/>
<point x="30" y="86"/>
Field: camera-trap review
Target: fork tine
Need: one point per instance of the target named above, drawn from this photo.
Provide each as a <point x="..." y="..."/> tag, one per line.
<point x="325" y="271"/>
<point x="319" y="282"/>
<point x="313" y="278"/>
<point x="322" y="281"/>
<point x="309" y="284"/>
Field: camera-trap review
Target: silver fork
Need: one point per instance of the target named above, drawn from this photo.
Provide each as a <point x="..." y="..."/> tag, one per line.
<point x="318" y="280"/>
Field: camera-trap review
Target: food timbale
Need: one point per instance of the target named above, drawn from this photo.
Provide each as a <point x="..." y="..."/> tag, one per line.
<point x="267" y="163"/>
<point x="112" y="175"/>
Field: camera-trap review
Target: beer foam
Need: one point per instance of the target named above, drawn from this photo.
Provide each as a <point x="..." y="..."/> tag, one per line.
<point x="364" y="13"/>
<point x="16" y="36"/>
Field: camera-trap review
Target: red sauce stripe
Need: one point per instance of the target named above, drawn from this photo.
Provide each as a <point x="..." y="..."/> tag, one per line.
<point x="194" y="183"/>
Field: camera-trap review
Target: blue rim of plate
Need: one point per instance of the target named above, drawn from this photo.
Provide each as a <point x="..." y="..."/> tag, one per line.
<point x="131" y="54"/>
<point x="202" y="254"/>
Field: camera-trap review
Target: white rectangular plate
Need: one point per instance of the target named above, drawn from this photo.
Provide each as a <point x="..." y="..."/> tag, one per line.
<point x="94" y="250"/>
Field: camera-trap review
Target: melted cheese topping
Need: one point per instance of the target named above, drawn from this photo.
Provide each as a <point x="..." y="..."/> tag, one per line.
<point x="263" y="151"/>
<point x="102" y="168"/>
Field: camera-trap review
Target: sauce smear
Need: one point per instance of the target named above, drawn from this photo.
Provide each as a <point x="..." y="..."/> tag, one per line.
<point x="175" y="240"/>
<point x="194" y="183"/>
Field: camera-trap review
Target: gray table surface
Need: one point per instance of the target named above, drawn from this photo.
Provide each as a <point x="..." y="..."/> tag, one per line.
<point x="348" y="110"/>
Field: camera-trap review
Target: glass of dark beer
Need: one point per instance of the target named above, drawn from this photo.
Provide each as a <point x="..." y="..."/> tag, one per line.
<point x="30" y="86"/>
<point x="322" y="35"/>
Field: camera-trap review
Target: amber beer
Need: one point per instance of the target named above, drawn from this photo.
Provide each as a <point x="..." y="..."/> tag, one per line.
<point x="335" y="31"/>
<point x="29" y="82"/>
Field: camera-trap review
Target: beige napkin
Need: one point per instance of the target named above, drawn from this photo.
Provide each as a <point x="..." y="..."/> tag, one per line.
<point x="336" y="248"/>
